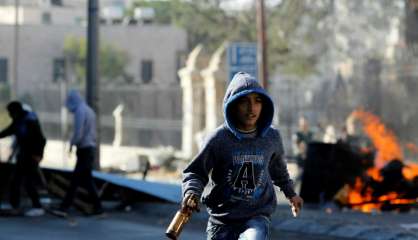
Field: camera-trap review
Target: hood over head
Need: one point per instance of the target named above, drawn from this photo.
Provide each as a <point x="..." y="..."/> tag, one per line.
<point x="15" y="110"/>
<point x="243" y="84"/>
<point x="73" y="100"/>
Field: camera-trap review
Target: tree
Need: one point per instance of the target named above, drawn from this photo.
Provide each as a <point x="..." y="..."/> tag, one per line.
<point x="207" y="23"/>
<point x="112" y="60"/>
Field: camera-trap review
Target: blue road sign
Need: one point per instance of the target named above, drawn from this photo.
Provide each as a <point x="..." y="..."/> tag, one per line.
<point x="242" y="57"/>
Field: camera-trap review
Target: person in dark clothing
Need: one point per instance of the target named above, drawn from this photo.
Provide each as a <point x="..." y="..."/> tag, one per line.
<point x="84" y="138"/>
<point x="238" y="164"/>
<point x="13" y="146"/>
<point x="30" y="143"/>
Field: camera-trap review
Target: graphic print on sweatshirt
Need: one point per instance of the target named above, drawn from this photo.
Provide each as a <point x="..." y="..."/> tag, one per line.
<point x="245" y="177"/>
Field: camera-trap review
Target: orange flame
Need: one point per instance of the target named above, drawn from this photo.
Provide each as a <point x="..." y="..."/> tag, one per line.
<point x="358" y="201"/>
<point x="383" y="139"/>
<point x="410" y="171"/>
<point x="375" y="174"/>
<point x="388" y="148"/>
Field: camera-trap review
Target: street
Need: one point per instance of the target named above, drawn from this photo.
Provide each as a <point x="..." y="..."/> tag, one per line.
<point x="117" y="225"/>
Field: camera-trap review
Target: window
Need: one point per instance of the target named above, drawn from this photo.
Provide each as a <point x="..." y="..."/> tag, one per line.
<point x="146" y="71"/>
<point x="46" y="18"/>
<point x="3" y="70"/>
<point x="58" y="69"/>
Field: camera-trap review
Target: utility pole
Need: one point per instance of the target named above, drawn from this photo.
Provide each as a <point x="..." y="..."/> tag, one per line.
<point x="261" y="44"/>
<point x="92" y="83"/>
<point x="13" y="85"/>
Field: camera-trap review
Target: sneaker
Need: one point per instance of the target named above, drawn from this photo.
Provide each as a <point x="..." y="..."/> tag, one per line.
<point x="35" y="212"/>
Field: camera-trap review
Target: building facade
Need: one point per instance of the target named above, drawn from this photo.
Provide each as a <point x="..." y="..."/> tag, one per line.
<point x="151" y="100"/>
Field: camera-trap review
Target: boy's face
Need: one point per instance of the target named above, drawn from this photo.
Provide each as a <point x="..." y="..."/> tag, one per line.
<point x="248" y="110"/>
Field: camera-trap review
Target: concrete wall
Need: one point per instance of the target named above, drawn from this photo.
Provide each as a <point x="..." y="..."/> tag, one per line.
<point x="40" y="44"/>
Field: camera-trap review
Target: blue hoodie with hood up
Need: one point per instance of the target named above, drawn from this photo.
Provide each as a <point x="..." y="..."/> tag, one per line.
<point x="238" y="171"/>
<point x="84" y="134"/>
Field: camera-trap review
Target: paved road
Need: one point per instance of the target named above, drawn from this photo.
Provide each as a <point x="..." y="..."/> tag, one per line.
<point x="116" y="225"/>
<point x="149" y="221"/>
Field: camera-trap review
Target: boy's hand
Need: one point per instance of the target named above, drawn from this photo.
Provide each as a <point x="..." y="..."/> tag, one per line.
<point x="297" y="203"/>
<point x="190" y="201"/>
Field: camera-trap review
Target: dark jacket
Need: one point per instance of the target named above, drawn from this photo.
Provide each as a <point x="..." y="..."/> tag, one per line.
<point x="27" y="131"/>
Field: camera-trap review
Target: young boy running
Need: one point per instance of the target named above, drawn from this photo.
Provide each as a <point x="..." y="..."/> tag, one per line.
<point x="239" y="163"/>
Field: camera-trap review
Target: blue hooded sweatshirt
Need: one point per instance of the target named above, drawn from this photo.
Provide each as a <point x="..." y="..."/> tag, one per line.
<point x="238" y="171"/>
<point x="84" y="134"/>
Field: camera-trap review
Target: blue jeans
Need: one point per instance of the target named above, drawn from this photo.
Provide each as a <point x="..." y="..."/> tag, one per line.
<point x="256" y="228"/>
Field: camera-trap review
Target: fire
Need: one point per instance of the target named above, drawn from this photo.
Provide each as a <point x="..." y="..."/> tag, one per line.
<point x="387" y="147"/>
<point x="383" y="139"/>
<point x="358" y="201"/>
<point x="365" y="202"/>
<point x="410" y="171"/>
<point x="374" y="173"/>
